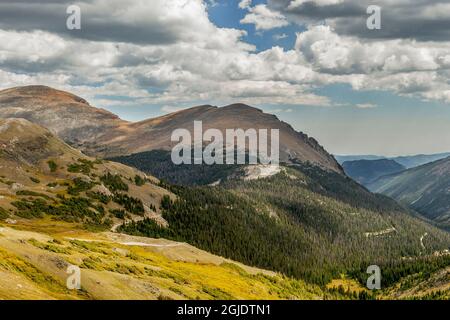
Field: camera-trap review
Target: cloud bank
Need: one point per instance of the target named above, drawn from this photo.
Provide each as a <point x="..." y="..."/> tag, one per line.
<point x="169" y="52"/>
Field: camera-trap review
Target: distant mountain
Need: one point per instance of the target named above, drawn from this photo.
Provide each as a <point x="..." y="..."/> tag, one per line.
<point x="426" y="189"/>
<point x="342" y="159"/>
<point x="366" y="171"/>
<point x="407" y="161"/>
<point x="421" y="159"/>
<point x="101" y="133"/>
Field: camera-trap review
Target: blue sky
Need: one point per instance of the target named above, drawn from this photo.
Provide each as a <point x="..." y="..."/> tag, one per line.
<point x="313" y="63"/>
<point x="227" y="14"/>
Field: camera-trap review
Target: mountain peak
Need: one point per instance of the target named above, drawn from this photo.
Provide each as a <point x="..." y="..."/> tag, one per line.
<point x="14" y="126"/>
<point x="241" y="107"/>
<point x="155" y="134"/>
<point x="45" y="93"/>
<point x="25" y="142"/>
<point x="196" y="109"/>
<point x="31" y="89"/>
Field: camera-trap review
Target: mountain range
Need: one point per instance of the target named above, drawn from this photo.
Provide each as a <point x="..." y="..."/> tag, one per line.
<point x="425" y="189"/>
<point x="406" y="161"/>
<point x="294" y="231"/>
<point x="367" y="171"/>
<point x="100" y="133"/>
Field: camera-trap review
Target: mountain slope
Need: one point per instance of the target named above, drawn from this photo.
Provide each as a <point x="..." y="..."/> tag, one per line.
<point x="420" y="159"/>
<point x="306" y="222"/>
<point x="34" y="258"/>
<point x="366" y="171"/>
<point x="41" y="175"/>
<point x="292" y="144"/>
<point x="100" y="133"/>
<point x="426" y="189"/>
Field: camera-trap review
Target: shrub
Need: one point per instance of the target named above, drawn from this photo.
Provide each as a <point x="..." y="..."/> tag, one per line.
<point x="120" y="214"/>
<point x="103" y="198"/>
<point x="139" y="181"/>
<point x="35" y="180"/>
<point x="32" y="194"/>
<point x="130" y="204"/>
<point x="166" y="202"/>
<point x="79" y="185"/>
<point x="3" y="214"/>
<point x="30" y="209"/>
<point x="82" y="166"/>
<point x="52" y="165"/>
<point x="114" y="182"/>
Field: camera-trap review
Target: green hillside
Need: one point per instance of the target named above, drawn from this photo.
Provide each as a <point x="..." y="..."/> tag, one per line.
<point x="305" y="222"/>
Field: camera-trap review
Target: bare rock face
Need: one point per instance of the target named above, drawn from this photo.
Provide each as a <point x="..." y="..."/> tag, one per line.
<point x="102" y="190"/>
<point x="100" y="133"/>
<point x="17" y="186"/>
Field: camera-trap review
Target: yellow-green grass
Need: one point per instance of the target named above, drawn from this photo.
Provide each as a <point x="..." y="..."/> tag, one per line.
<point x="38" y="253"/>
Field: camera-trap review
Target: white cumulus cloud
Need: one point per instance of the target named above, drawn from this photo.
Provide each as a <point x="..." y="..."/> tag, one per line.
<point x="264" y="18"/>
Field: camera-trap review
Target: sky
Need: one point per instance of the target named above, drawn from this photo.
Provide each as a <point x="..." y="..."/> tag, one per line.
<point x="313" y="63"/>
